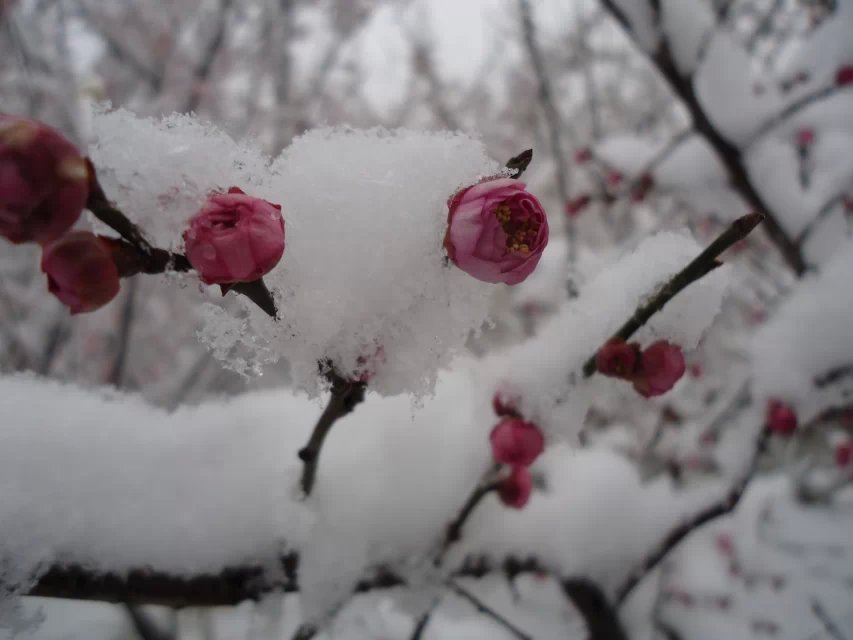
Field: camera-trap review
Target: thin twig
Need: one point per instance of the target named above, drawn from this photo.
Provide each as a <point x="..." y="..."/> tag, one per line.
<point x="827" y="622"/>
<point x="345" y="396"/>
<point x="700" y="266"/>
<point x="202" y="72"/>
<point x="676" y="535"/>
<point x="552" y="119"/>
<point x="486" y="610"/>
<point x="125" y="323"/>
<point x="453" y="533"/>
<point x="144" y="626"/>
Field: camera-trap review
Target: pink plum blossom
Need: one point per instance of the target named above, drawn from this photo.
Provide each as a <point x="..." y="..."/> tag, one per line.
<point x="80" y="271"/>
<point x="43" y="181"/>
<point x="496" y="231"/>
<point x="235" y="238"/>
<point x="516" y="442"/>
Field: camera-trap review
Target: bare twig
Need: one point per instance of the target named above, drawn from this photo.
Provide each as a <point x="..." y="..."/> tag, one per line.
<point x="676" y="535"/>
<point x="486" y="610"/>
<point x="827" y="622"/>
<point x="699" y="267"/>
<point x="205" y="65"/>
<point x="453" y="533"/>
<point x="552" y="119"/>
<point x="144" y="626"/>
<point x="116" y="375"/>
<point x="345" y="396"/>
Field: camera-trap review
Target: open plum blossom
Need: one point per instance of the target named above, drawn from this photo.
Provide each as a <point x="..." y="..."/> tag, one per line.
<point x="80" y="271"/>
<point x="515" y="489"/>
<point x="516" y="442"/>
<point x="781" y="418"/>
<point x="43" y="181"/>
<point x="661" y="366"/>
<point x="496" y="231"/>
<point x="235" y="238"/>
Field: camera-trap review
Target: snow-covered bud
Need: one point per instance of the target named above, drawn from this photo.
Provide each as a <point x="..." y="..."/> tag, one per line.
<point x="618" y="359"/>
<point x="235" y="238"/>
<point x="805" y="137"/>
<point x="781" y="418"/>
<point x="583" y="155"/>
<point x="496" y="231"/>
<point x="844" y="75"/>
<point x="505" y="402"/>
<point x="576" y="205"/>
<point x="43" y="181"/>
<point x="516" y="442"/>
<point x="844" y="453"/>
<point x="80" y="271"/>
<point x="514" y="490"/>
<point x="661" y="366"/>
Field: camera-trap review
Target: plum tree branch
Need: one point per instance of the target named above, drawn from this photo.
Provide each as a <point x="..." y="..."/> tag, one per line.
<point x="345" y="396"/>
<point x="730" y="155"/>
<point x="699" y="267"/>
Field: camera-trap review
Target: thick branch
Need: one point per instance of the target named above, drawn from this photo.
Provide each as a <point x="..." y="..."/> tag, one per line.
<point x="729" y="155"/>
<point x="346" y="395"/>
<point x="602" y="621"/>
<point x="700" y="266"/>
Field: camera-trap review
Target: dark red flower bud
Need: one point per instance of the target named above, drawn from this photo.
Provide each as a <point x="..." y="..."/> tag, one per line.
<point x="80" y="271"/>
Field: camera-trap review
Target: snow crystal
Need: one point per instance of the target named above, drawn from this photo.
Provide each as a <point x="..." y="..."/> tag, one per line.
<point x="363" y="284"/>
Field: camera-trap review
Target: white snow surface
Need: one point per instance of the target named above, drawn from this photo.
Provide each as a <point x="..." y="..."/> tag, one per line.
<point x="362" y="284"/>
<point x="104" y="480"/>
<point x="808" y="337"/>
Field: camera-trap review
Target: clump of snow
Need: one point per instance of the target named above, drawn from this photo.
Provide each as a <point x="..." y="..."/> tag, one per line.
<point x="363" y="283"/>
<point x="546" y="370"/>
<point x="808" y="338"/>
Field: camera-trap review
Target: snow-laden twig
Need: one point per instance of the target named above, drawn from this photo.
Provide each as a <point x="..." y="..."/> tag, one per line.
<point x="677" y="534"/>
<point x="699" y="267"/>
<point x="486" y="610"/>
<point x="831" y="628"/>
<point x="602" y="621"/>
<point x="729" y="154"/>
<point x="487" y="484"/>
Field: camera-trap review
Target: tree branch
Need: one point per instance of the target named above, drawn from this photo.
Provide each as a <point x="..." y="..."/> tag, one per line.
<point x="486" y="610"/>
<point x="345" y="396"/>
<point x="699" y="267"/>
<point x="676" y="535"/>
<point x="453" y="533"/>
<point x="602" y="621"/>
<point x="729" y="154"/>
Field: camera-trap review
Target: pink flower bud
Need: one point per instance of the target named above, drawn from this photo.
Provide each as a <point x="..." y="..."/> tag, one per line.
<point x="44" y="182"/>
<point x="618" y="359"/>
<point x="514" y="490"/>
<point x="574" y="207"/>
<point x="516" y="442"/>
<point x="781" y="418"/>
<point x="496" y="231"/>
<point x="80" y="271"/>
<point x="661" y="366"/>
<point x="844" y="453"/>
<point x="725" y="544"/>
<point x="583" y="155"/>
<point x="505" y="403"/>
<point x="805" y="137"/>
<point x="844" y="76"/>
<point x="235" y="238"/>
